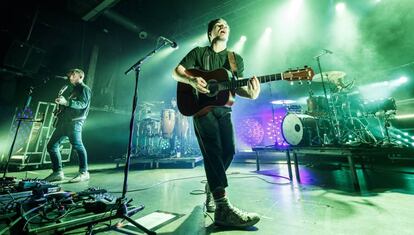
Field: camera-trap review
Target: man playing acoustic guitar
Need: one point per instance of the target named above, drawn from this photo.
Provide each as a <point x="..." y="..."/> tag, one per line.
<point x="213" y="126"/>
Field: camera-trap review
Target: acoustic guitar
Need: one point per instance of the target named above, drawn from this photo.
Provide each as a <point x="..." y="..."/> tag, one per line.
<point x="222" y="86"/>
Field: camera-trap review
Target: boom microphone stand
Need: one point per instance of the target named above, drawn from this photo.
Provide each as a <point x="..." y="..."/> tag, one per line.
<point x="123" y="211"/>
<point x="331" y="121"/>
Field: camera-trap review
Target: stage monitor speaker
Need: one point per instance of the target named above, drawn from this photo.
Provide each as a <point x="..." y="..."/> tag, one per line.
<point x="24" y="57"/>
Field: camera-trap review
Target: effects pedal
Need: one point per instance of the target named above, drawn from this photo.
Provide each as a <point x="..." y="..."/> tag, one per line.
<point x="98" y="203"/>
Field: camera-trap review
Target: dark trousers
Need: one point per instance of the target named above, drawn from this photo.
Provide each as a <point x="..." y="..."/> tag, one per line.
<point x="73" y="130"/>
<point x="215" y="136"/>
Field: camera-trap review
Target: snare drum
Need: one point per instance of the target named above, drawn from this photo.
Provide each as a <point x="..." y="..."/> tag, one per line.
<point x="167" y="122"/>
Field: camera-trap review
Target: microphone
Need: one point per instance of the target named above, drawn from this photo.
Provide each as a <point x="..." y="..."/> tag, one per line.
<point x="323" y="52"/>
<point x="61" y="77"/>
<point x="327" y="51"/>
<point x="169" y="42"/>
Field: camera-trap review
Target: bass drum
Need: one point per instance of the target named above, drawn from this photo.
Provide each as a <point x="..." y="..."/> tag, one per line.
<point x="300" y="130"/>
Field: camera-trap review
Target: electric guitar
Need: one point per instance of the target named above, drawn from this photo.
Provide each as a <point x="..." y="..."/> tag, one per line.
<point x="59" y="109"/>
<point x="222" y="87"/>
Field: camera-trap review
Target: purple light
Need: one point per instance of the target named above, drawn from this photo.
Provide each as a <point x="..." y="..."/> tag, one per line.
<point x="250" y="131"/>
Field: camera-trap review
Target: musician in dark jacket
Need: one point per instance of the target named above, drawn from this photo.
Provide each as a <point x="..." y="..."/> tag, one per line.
<point x="73" y="112"/>
<point x="214" y="130"/>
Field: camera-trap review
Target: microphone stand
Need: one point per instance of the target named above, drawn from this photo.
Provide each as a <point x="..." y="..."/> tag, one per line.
<point x="334" y="125"/>
<point x="124" y="210"/>
<point x="137" y="68"/>
<point x="124" y="213"/>
<point x="19" y="122"/>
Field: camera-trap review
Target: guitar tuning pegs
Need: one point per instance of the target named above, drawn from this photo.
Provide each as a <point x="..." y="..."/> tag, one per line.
<point x="300" y="82"/>
<point x="291" y="83"/>
<point x="309" y="82"/>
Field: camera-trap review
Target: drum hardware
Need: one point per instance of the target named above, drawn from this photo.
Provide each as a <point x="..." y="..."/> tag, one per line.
<point x="374" y="106"/>
<point x="165" y="133"/>
<point x="330" y="76"/>
<point x="388" y="115"/>
<point x="334" y="77"/>
<point x="341" y="118"/>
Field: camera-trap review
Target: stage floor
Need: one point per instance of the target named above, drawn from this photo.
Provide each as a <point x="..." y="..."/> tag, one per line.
<point x="324" y="203"/>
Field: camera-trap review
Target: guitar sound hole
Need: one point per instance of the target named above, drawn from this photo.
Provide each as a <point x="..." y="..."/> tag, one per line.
<point x="213" y="87"/>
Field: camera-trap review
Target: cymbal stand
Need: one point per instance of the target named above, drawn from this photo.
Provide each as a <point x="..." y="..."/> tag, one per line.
<point x="335" y="125"/>
<point x="387" y="125"/>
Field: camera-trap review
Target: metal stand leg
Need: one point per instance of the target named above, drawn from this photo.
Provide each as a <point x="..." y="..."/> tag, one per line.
<point x="289" y="165"/>
<point x="257" y="161"/>
<point x="295" y="159"/>
<point x="353" y="173"/>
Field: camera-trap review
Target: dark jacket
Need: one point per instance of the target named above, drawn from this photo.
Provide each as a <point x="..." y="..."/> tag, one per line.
<point x="79" y="103"/>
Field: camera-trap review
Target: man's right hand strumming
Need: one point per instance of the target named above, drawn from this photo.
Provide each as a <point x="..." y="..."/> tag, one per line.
<point x="199" y="84"/>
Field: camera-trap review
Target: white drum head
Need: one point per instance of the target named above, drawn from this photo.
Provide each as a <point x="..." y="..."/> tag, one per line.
<point x="292" y="129"/>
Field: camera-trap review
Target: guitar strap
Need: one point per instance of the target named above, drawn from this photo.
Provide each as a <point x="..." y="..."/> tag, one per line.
<point x="233" y="67"/>
<point x="232" y="61"/>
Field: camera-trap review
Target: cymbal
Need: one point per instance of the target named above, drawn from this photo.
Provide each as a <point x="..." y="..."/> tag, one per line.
<point x="331" y="76"/>
<point x="144" y="104"/>
<point x="283" y="102"/>
<point x="155" y="116"/>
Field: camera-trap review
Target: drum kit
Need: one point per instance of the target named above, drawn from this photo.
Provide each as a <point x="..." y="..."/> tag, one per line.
<point x="340" y="118"/>
<point x="162" y="132"/>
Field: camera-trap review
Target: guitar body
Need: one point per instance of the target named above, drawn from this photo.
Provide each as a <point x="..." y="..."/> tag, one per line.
<point x="192" y="103"/>
<point x="57" y="113"/>
<point x="59" y="108"/>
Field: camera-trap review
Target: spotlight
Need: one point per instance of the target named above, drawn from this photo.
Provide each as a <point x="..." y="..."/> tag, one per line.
<point x="340" y="7"/>
<point x="243" y="38"/>
<point x="143" y="35"/>
<point x="268" y="30"/>
<point x="403" y="79"/>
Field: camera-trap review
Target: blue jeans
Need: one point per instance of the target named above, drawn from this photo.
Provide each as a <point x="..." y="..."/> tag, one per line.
<point x="73" y="130"/>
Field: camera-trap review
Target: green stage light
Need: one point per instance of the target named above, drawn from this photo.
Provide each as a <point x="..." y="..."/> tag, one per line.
<point x="340" y="7"/>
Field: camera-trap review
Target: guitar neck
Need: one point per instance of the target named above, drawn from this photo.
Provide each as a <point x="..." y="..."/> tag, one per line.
<point x="231" y="85"/>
